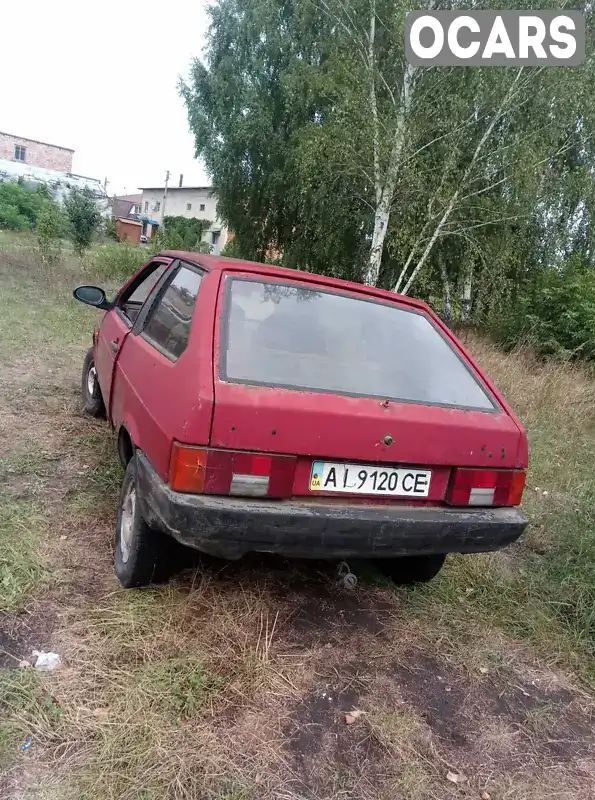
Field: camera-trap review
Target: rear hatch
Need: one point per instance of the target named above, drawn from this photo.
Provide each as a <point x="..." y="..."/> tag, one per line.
<point x="372" y="400"/>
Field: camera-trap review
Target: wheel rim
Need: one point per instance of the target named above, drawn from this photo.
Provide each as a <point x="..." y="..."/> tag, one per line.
<point x="127" y="523"/>
<point x="91" y="380"/>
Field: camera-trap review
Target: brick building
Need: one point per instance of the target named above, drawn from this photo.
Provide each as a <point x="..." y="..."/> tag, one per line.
<point x="35" y="154"/>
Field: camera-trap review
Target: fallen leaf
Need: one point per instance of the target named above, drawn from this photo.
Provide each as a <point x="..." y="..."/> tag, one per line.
<point x="352" y="716"/>
<point x="63" y="538"/>
<point x="100" y="712"/>
<point x="455" y="777"/>
<point x="486" y="796"/>
<point x="484" y="670"/>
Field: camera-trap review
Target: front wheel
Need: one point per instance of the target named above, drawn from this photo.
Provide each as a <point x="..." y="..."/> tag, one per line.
<point x="143" y="555"/>
<point x="413" y="569"/>
<point x="92" y="397"/>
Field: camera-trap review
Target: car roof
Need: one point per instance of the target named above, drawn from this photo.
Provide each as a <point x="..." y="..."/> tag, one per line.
<point x="214" y="263"/>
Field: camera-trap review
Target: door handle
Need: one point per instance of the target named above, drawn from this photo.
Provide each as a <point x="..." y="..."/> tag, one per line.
<point x="115" y="345"/>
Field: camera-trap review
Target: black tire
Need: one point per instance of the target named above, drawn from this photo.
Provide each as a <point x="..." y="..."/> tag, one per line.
<point x="413" y="569"/>
<point x="143" y="556"/>
<point x="92" y="397"/>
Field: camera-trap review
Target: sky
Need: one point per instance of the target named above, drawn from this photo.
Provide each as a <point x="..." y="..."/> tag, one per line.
<point x="101" y="78"/>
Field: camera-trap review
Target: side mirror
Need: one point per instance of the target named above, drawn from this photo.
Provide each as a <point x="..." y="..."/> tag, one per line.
<point x="92" y="296"/>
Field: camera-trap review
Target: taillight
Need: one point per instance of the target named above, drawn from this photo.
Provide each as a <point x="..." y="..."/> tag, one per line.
<point x="481" y="487"/>
<point x="202" y="470"/>
<point x="187" y="468"/>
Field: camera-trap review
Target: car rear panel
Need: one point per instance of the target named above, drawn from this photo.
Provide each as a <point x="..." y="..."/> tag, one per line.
<point x="327" y="426"/>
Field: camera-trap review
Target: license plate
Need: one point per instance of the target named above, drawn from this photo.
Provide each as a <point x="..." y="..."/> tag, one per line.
<point x="328" y="476"/>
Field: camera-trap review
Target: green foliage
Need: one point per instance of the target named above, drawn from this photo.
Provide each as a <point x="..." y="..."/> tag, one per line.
<point x="556" y="315"/>
<point x="110" y="230"/>
<point x="20" y="207"/>
<point x="21" y="526"/>
<point x="85" y="218"/>
<point x="484" y="199"/>
<point x="233" y="249"/>
<point x="117" y="261"/>
<point x="50" y="228"/>
<point x="182" y="233"/>
<point x="179" y="686"/>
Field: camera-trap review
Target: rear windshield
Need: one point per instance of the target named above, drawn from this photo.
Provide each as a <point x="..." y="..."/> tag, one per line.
<point x="282" y="335"/>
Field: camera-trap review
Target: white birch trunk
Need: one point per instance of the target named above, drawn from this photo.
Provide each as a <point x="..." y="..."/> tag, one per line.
<point x="387" y="187"/>
<point x="447" y="292"/>
<point x="466" y="175"/>
<point x="466" y="295"/>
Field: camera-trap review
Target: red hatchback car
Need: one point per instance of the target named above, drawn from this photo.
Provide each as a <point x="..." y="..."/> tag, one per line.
<point x="266" y="409"/>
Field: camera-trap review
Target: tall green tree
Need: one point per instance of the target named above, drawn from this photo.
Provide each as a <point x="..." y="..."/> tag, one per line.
<point x="325" y="144"/>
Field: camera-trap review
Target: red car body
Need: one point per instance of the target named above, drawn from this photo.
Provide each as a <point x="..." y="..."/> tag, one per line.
<point x="169" y="411"/>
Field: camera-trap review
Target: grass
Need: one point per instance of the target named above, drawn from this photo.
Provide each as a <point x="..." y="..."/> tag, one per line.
<point x="22" y="526"/>
<point x="543" y="589"/>
<point x="116" y="261"/>
<point x="217" y="685"/>
<point x="26" y="708"/>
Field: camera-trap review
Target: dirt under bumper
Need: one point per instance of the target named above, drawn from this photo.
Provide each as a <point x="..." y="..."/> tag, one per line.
<point x="229" y="527"/>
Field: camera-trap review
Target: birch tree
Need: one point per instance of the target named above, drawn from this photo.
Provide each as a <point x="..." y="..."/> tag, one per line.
<point x="324" y="144"/>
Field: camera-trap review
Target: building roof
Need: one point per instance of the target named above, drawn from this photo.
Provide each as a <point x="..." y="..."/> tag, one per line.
<point x="126" y="221"/>
<point x="129" y="198"/>
<point x="176" y="188"/>
<point x="36" y="141"/>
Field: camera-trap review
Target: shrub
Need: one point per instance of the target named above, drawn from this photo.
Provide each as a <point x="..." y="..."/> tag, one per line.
<point x="117" y="261"/>
<point x="20" y="207"/>
<point x="110" y="230"/>
<point x="232" y="249"/>
<point x="84" y="216"/>
<point x="182" y="233"/>
<point x="557" y="317"/>
<point x="50" y="228"/>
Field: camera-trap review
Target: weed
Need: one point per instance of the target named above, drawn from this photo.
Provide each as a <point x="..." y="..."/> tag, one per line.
<point x="116" y="261"/>
<point x="26" y="709"/>
<point x="21" y="528"/>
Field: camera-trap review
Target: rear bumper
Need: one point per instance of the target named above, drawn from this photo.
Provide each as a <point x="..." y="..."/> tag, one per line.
<point x="230" y="527"/>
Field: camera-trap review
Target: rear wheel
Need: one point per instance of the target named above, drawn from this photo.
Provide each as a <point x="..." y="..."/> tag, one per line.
<point x="92" y="398"/>
<point x="143" y="555"/>
<point x="413" y="569"/>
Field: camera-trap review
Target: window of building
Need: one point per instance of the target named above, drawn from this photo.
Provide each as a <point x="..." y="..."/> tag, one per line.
<point x="157" y="205"/>
<point x="168" y="322"/>
<point x="20" y="152"/>
<point x="188" y="206"/>
<point x="216" y="235"/>
<point x="146" y="206"/>
<point x="202" y="206"/>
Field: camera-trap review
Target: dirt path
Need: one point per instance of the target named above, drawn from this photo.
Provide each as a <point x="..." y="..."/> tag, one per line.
<point x="235" y="681"/>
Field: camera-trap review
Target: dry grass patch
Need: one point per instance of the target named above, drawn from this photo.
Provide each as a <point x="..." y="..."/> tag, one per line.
<point x="233" y="681"/>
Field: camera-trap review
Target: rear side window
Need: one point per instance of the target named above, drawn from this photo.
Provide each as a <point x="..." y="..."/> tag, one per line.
<point x="283" y="335"/>
<point x="168" y="322"/>
<point x="142" y="291"/>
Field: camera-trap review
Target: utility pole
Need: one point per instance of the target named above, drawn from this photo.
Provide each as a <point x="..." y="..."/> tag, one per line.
<point x="164" y="196"/>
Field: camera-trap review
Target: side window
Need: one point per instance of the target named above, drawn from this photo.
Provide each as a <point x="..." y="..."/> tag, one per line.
<point x="168" y="322"/>
<point x="143" y="290"/>
<point x="131" y="302"/>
